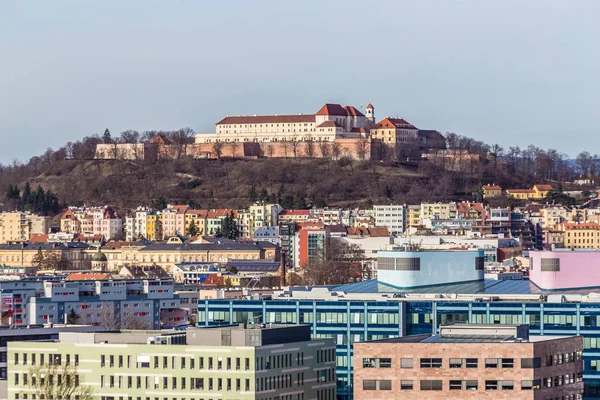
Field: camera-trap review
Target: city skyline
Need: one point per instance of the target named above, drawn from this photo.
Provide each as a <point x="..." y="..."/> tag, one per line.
<point x="80" y="68"/>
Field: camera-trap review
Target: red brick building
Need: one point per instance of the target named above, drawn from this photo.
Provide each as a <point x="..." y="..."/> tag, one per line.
<point x="470" y="362"/>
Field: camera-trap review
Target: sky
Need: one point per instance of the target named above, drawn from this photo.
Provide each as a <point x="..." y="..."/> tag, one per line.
<point x="511" y="72"/>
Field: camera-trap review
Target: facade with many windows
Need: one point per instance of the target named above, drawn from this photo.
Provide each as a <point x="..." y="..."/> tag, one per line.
<point x="469" y="361"/>
<point x="371" y="311"/>
<point x="235" y="362"/>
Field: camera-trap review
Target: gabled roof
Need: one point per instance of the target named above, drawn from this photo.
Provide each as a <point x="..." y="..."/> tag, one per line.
<point x="68" y="214"/>
<point x="353" y="112"/>
<point x="110" y="213"/>
<point x="394" y="123"/>
<point x="543" y="187"/>
<point x="221" y="213"/>
<point x="38" y="238"/>
<point x="492" y="187"/>
<point x="332" y="109"/>
<point x="329" y="124"/>
<point x="370" y="106"/>
<point x="160" y="139"/>
<point x="582" y="225"/>
<point x="266" y="119"/>
<point x="520" y="191"/>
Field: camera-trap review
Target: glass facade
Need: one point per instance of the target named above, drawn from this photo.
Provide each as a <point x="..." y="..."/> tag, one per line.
<point x="351" y="321"/>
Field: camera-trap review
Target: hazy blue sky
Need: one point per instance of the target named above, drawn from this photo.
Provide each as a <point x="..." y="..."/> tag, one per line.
<point x="512" y="72"/>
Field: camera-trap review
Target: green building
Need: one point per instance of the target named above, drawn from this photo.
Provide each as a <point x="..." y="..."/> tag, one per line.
<point x="270" y="362"/>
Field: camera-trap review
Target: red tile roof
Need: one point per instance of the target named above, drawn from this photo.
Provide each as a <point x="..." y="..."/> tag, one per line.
<point x="295" y="212"/>
<point x="394" y="123"/>
<point x="38" y="238"/>
<point x="353" y="112"/>
<point x="332" y="109"/>
<point x="327" y="124"/>
<point x="543" y="187"/>
<point x="83" y="276"/>
<point x="68" y="214"/>
<point x="221" y="213"/>
<point x="583" y="225"/>
<point x="370" y="106"/>
<point x="492" y="187"/>
<point x="160" y="139"/>
<point x="378" y="232"/>
<point x="520" y="191"/>
<point x="267" y="119"/>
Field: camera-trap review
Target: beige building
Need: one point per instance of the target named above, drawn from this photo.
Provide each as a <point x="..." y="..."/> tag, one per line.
<point x="585" y="235"/>
<point x="173" y="220"/>
<point x="438" y="211"/>
<point x="330" y="122"/>
<point x="395" y="130"/>
<point x="470" y="362"/>
<point x="19" y="226"/>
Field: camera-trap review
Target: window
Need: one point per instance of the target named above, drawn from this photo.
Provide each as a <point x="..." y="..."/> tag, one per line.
<point x="455" y="385"/>
<point x="508" y="363"/>
<point x="431" y="385"/>
<point x="463" y="363"/>
<point x="491" y="385"/>
<point x="531" y="362"/>
<point x="406" y="385"/>
<point x="431" y="363"/>
<point x="406" y="363"/>
<point x="377" y="384"/>
<point x="531" y="385"/>
<point x="491" y="363"/>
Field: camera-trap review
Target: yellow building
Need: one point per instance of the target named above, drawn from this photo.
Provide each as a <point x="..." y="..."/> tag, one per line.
<point x="395" y="130"/>
<point x="491" y="191"/>
<point x="153" y="227"/>
<point x="25" y="254"/>
<point x="413" y="216"/>
<point x="198" y="217"/>
<point x="555" y="215"/>
<point x="19" y="226"/>
<point x="584" y="235"/>
<point x="538" y="192"/>
<point x="438" y="211"/>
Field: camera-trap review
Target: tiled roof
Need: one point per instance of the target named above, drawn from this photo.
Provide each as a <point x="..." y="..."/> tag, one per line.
<point x="492" y="187"/>
<point x="329" y="124"/>
<point x="353" y="112"/>
<point x="520" y="191"/>
<point x="79" y="276"/>
<point x="332" y="109"/>
<point x="267" y="119"/>
<point x="378" y="232"/>
<point x="370" y="105"/>
<point x="38" y="238"/>
<point x="543" y="187"/>
<point x="160" y="139"/>
<point x="295" y="212"/>
<point x="582" y="225"/>
<point x="394" y="123"/>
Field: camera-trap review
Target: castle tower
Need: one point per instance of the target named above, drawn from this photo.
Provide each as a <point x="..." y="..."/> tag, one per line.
<point x="370" y="114"/>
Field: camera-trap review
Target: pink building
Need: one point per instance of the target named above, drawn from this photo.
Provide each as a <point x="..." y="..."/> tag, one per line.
<point x="470" y="362"/>
<point x="565" y="269"/>
<point x="173" y="219"/>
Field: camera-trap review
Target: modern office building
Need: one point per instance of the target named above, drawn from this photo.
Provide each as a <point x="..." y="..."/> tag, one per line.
<point x="470" y="361"/>
<point x="34" y="334"/>
<point x="233" y="362"/>
<point x="375" y="309"/>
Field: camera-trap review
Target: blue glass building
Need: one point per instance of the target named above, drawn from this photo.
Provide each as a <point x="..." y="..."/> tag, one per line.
<point x="372" y="310"/>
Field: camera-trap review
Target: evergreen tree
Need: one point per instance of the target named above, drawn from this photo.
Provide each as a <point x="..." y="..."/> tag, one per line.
<point x="264" y="195"/>
<point x="106" y="137"/>
<point x="479" y="193"/>
<point x="192" y="229"/>
<point x="232" y="232"/>
<point x="72" y="318"/>
<point x="281" y="195"/>
<point x="299" y="202"/>
<point x="226" y="226"/>
<point x="26" y="197"/>
<point x="252" y="195"/>
<point x="218" y="233"/>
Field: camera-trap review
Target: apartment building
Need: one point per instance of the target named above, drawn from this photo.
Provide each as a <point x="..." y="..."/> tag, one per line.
<point x="19" y="226"/>
<point x="470" y="361"/>
<point x="136" y="226"/>
<point x="432" y="211"/>
<point x="232" y="362"/>
<point x="173" y="220"/>
<point x="70" y="255"/>
<point x="395" y="130"/>
<point x="93" y="297"/>
<point x="585" y="235"/>
<point x="154" y="226"/>
<point x="103" y="221"/>
<point x="392" y="217"/>
<point x="198" y="218"/>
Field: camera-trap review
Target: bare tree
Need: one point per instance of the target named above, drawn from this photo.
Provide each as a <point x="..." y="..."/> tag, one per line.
<point x="336" y="262"/>
<point x="309" y="148"/>
<point x="269" y="149"/>
<point x="129" y="136"/>
<point x="336" y="150"/>
<point x="234" y="148"/>
<point x="361" y="149"/>
<point x="325" y="149"/>
<point x="57" y="380"/>
<point x="295" y="145"/>
<point x="218" y="149"/>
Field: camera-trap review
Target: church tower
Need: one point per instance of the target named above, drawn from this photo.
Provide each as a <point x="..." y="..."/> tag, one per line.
<point x="370" y="113"/>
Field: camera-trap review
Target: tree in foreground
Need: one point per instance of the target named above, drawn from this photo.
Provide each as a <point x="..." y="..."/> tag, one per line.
<point x="336" y="263"/>
<point x="56" y="381"/>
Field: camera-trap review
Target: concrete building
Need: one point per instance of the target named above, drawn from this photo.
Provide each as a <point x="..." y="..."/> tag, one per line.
<point x="21" y="225"/>
<point x="392" y="217"/>
<point x="32" y="333"/>
<point x="232" y="362"/>
<point x="421" y="268"/>
<point x="433" y="211"/>
<point x="584" y="235"/>
<point x="268" y="234"/>
<point x="470" y="361"/>
<point x="136" y="226"/>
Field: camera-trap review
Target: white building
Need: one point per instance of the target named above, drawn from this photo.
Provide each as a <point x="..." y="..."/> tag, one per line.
<point x="135" y="226"/>
<point x="330" y="122"/>
<point x="268" y="234"/>
<point x="392" y="217"/>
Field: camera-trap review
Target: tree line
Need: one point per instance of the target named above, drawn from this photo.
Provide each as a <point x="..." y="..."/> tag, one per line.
<point x="38" y="201"/>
